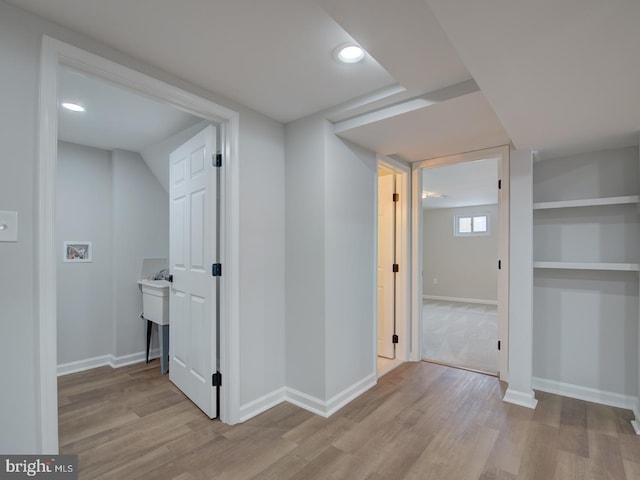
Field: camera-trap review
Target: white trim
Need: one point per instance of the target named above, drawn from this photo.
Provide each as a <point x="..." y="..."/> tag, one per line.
<point x="461" y="300"/>
<point x="523" y="399"/>
<point x="106" y="360"/>
<point x="55" y="53"/>
<point x="350" y="393"/>
<point x="306" y="402"/>
<point x="584" y="393"/>
<point x="262" y="404"/>
<point x="327" y="408"/>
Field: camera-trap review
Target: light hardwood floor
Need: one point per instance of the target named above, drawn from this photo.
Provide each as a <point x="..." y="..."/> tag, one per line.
<point x="422" y="421"/>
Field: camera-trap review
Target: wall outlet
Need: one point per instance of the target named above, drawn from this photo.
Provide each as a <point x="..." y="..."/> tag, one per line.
<point x="435" y="281"/>
<point x="8" y="226"/>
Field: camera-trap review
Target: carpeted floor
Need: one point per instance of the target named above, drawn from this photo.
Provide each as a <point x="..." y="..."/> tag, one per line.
<point x="460" y="334"/>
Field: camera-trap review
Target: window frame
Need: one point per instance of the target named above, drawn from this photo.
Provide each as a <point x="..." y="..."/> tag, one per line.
<point x="472" y="233"/>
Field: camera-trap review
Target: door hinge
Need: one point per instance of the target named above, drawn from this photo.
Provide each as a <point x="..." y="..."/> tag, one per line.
<point x="499" y="184"/>
<point x="499" y="264"/>
<point x="217" y="159"/>
<point x="396" y="197"/>
<point x="216" y="270"/>
<point x="394" y="339"/>
<point x="216" y="379"/>
<point x="499" y="344"/>
<point x="396" y="268"/>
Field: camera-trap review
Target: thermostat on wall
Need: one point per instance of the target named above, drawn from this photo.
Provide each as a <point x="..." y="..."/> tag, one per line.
<point x="8" y="226"/>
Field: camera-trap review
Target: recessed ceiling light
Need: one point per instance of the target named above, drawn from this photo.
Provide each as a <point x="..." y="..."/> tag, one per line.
<point x="349" y="53"/>
<point x="74" y="107"/>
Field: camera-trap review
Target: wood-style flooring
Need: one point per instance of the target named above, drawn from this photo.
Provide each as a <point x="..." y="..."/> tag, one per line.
<point x="422" y="421"/>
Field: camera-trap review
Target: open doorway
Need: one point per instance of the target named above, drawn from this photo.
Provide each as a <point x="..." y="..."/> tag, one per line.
<point x="461" y="247"/>
<point x="112" y="200"/>
<point x="58" y="54"/>
<point x="459" y="264"/>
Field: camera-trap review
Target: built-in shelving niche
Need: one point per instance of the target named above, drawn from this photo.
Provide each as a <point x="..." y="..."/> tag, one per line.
<point x="586" y="248"/>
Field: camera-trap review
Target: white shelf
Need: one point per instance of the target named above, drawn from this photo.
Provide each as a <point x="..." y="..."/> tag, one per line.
<point x="587" y="202"/>
<point x="623" y="267"/>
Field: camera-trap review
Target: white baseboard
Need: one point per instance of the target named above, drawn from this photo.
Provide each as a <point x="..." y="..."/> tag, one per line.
<point x="104" y="360"/>
<point x="305" y="401"/>
<point x="338" y="401"/>
<point x="460" y="300"/>
<point x="262" y="404"/>
<point x="523" y="399"/>
<point x="585" y="393"/>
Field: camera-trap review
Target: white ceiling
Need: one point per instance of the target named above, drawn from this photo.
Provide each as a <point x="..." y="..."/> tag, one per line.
<point x="559" y="74"/>
<point x="464" y="184"/>
<point x="114" y="118"/>
<point x="550" y="74"/>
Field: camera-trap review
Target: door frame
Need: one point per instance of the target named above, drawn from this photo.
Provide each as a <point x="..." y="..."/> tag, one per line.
<point x="502" y="154"/>
<point x="403" y="250"/>
<point x="55" y="53"/>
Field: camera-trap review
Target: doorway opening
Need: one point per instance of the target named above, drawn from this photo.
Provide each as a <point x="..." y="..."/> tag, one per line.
<point x="393" y="268"/>
<point x="56" y="54"/>
<point x="462" y="245"/>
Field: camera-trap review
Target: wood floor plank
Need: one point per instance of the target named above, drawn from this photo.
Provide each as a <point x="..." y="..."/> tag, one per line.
<point x="422" y="421"/>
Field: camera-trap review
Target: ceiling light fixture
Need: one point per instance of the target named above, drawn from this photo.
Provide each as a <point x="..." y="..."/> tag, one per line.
<point x="349" y="53"/>
<point x="426" y="194"/>
<point x="74" y="107"/>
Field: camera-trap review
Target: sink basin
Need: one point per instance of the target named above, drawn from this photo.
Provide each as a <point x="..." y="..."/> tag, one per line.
<point x="155" y="300"/>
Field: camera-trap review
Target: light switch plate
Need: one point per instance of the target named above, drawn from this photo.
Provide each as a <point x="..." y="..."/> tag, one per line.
<point x="8" y="226"/>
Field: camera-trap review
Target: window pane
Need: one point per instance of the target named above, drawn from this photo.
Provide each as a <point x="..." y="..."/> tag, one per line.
<point x="480" y="224"/>
<point x="464" y="224"/>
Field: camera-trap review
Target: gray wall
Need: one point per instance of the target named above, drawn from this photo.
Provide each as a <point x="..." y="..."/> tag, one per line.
<point x="465" y="267"/>
<point x="350" y="202"/>
<point x="113" y="200"/>
<point x="330" y="260"/>
<point x="84" y="211"/>
<point x="305" y="256"/>
<point x="20" y="44"/>
<point x="140" y="229"/>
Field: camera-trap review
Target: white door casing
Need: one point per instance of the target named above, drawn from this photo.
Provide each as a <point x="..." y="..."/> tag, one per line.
<point x="386" y="257"/>
<point x="192" y="251"/>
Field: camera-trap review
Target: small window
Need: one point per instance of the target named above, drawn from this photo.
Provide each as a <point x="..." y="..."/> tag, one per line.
<point x="471" y="225"/>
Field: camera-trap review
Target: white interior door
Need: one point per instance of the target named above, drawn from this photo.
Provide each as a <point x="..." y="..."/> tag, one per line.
<point x="386" y="246"/>
<point x="193" y="300"/>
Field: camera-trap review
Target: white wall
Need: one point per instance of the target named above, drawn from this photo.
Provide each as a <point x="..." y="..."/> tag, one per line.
<point x="262" y="257"/>
<point x="350" y="272"/>
<point x="20" y="44"/>
<point x="305" y="256"/>
<point x="140" y="229"/>
<point x="84" y="211"/>
<point x="465" y="267"/>
<point x="330" y="260"/>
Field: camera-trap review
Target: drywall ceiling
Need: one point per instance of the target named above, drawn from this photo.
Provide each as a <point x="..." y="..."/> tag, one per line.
<point x="114" y="118"/>
<point x="557" y="73"/>
<point x="464" y="184"/>
<point x="461" y="124"/>
<point x="274" y="56"/>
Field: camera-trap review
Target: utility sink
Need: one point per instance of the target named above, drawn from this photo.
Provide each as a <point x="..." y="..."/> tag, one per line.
<point x="155" y="300"/>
